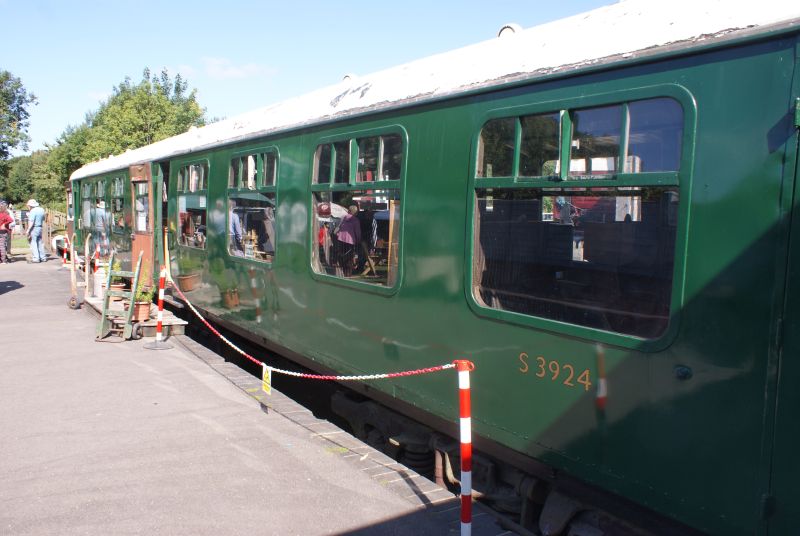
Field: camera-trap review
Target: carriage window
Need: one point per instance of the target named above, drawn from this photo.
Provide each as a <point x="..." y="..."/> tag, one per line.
<point x="242" y="172"/>
<point x="656" y="132"/>
<point x="540" y="144"/>
<point x="496" y="148"/>
<point x="141" y="204"/>
<point x="379" y="158"/>
<point x="251" y="214"/>
<point x="356" y="220"/>
<point x="570" y="251"/>
<point x="117" y="219"/>
<point x="87" y="206"/>
<point x="191" y="185"/>
<point x="600" y="258"/>
<point x="357" y="235"/>
<point x="595" y="140"/>
<point x="270" y="162"/>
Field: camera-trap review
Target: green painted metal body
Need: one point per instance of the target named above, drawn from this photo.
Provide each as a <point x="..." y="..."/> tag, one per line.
<point x="699" y="424"/>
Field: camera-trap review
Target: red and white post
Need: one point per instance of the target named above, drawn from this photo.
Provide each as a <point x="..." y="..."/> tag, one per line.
<point x="464" y="367"/>
<point x="160" y="344"/>
<point x="64" y="252"/>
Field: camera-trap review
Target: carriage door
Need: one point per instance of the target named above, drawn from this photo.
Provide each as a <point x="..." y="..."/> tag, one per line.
<point x="783" y="503"/>
<point x="142" y="235"/>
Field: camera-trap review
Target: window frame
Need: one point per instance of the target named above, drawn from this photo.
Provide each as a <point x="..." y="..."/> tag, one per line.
<point x="352" y="184"/>
<point x="182" y="188"/>
<point x="680" y="179"/>
<point x="259" y="153"/>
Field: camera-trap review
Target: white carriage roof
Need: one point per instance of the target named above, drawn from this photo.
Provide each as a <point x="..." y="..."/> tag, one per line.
<point x="623" y="31"/>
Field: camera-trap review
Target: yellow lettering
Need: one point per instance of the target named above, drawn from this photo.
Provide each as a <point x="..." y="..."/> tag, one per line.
<point x="523" y="357"/>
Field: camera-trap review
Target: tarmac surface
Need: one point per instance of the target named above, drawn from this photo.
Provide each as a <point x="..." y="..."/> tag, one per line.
<point x="112" y="438"/>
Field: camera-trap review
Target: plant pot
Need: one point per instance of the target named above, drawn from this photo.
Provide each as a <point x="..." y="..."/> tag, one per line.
<point x="188" y="282"/>
<point x="230" y="298"/>
<point x="141" y="311"/>
<point x="117" y="286"/>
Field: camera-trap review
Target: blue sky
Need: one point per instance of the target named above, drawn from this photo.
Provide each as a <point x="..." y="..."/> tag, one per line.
<point x="239" y="54"/>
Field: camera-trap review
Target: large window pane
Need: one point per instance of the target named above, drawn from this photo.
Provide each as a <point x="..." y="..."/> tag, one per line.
<point x="601" y="258"/>
<point x="540" y="145"/>
<point x="368" y="149"/>
<point x="341" y="173"/>
<point x="357" y="235"/>
<point x="322" y="168"/>
<point x="251" y="225"/>
<point x="192" y="220"/>
<point x="392" y="158"/>
<point x="655" y="135"/>
<point x="595" y="140"/>
<point x="496" y="148"/>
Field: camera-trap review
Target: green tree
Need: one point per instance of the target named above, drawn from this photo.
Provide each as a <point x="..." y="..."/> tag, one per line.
<point x="19" y="183"/>
<point x="14" y="102"/>
<point x="140" y="114"/>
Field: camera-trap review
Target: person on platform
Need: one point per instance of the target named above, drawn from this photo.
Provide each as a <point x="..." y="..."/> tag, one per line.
<point x="35" y="224"/>
<point x="6" y="224"/>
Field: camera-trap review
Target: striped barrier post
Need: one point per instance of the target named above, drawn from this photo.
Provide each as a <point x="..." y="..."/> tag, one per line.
<point x="159" y="344"/>
<point x="254" y="290"/>
<point x="64" y="253"/>
<point x="602" y="387"/>
<point x="96" y="257"/>
<point x="465" y="412"/>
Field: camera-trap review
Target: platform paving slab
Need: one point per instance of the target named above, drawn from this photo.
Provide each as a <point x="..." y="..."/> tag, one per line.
<point x="111" y="438"/>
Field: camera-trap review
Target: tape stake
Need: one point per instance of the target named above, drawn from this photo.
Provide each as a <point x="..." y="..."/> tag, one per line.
<point x="266" y="379"/>
<point x="465" y="414"/>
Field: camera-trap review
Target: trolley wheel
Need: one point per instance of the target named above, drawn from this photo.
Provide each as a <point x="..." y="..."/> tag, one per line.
<point x="73" y="302"/>
<point x="136" y="332"/>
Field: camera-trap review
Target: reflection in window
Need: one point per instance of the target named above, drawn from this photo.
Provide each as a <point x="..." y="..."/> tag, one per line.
<point x="270" y="162"/>
<point x="341" y="171"/>
<point x="141" y="204"/>
<point x="540" y="145"/>
<point x="379" y="158"/>
<point x="192" y="220"/>
<point x="87" y="205"/>
<point x="192" y="178"/>
<point x="496" y="148"/>
<point x="595" y="140"/>
<point x="117" y="208"/>
<point x="600" y="257"/>
<point x="357" y="235"/>
<point x="655" y="135"/>
<point x="251" y="225"/>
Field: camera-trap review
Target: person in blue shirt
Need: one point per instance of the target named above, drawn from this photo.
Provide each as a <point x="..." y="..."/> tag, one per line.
<point x="35" y="223"/>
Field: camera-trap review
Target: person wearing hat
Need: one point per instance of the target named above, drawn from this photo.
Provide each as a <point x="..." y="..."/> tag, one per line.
<point x="35" y="223"/>
<point x="100" y="225"/>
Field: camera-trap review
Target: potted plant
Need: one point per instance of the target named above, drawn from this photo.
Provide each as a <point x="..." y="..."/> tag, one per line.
<point x="189" y="277"/>
<point x="117" y="281"/>
<point x="142" y="300"/>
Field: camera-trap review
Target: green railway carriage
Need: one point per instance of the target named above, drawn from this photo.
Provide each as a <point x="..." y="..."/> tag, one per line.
<point x="612" y="242"/>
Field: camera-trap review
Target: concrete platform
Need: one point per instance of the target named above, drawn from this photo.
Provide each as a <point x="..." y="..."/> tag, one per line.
<point x="111" y="438"/>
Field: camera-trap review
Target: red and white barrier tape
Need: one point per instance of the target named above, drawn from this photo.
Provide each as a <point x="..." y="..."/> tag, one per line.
<point x="463" y="366"/>
<point x="302" y="374"/>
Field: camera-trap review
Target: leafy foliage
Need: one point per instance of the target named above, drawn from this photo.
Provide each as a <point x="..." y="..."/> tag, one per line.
<point x="140" y="114"/>
<point x="14" y="102"/>
<point x="134" y="115"/>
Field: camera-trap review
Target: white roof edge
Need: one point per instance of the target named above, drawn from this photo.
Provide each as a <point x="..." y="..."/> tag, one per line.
<point x="620" y="32"/>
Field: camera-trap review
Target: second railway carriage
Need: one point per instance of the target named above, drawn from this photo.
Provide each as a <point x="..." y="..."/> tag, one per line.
<point x="598" y="212"/>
